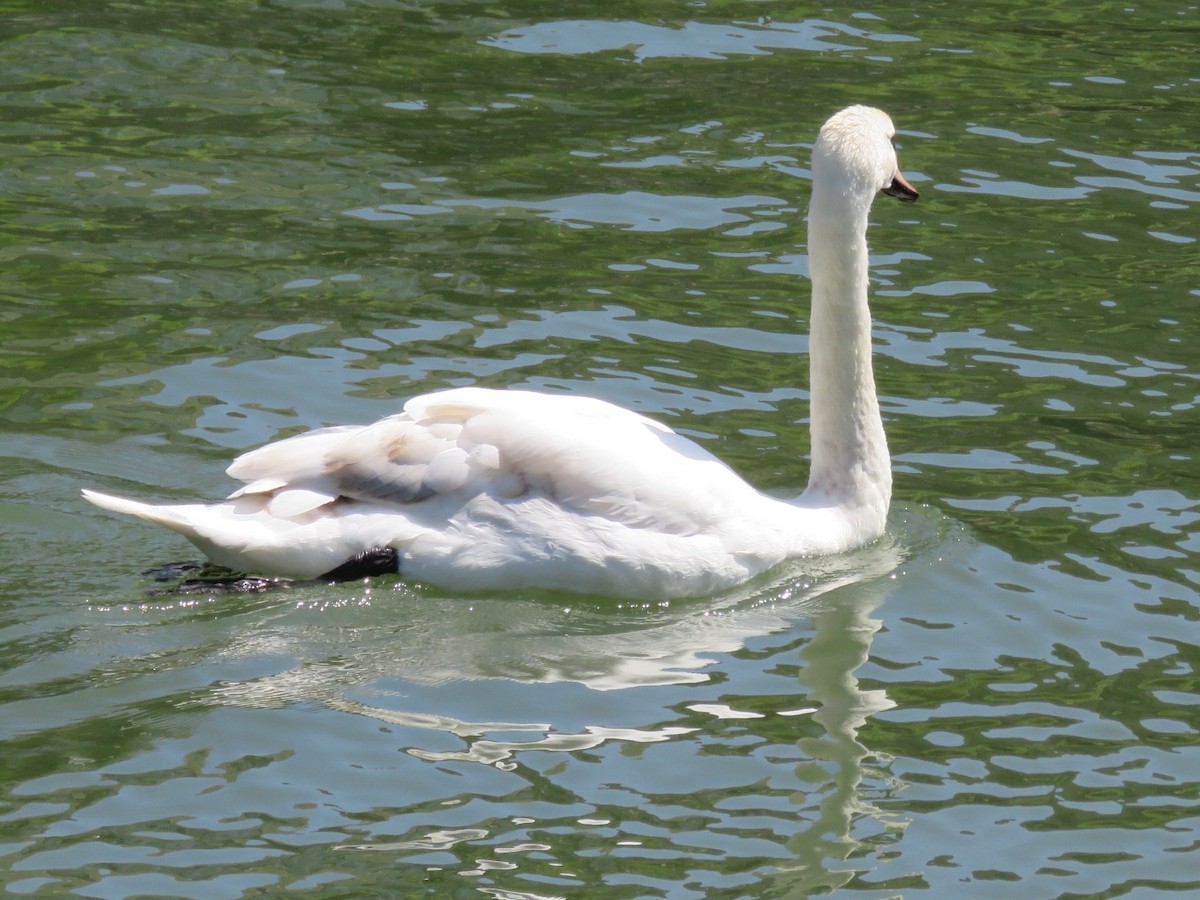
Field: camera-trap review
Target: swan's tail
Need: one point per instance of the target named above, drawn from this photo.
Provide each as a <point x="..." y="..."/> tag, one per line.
<point x="212" y="529"/>
<point x="245" y="537"/>
<point x="172" y="517"/>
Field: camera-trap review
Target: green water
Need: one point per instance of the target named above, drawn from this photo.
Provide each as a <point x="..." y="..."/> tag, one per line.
<point x="226" y="222"/>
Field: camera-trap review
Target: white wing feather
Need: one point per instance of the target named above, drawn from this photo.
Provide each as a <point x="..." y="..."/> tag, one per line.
<point x="584" y="454"/>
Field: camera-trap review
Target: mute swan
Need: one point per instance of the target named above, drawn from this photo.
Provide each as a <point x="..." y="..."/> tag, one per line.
<point x="473" y="488"/>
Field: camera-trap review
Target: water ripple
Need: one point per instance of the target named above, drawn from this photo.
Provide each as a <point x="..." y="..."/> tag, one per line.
<point x="696" y="40"/>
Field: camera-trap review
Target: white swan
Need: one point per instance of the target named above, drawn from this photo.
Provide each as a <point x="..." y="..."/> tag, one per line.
<point x="484" y="489"/>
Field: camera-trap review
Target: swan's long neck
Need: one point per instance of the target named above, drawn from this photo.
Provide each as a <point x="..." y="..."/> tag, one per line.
<point x="850" y="463"/>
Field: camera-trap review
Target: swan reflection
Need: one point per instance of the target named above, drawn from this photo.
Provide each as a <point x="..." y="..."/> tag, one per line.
<point x="490" y="680"/>
<point x="356" y="655"/>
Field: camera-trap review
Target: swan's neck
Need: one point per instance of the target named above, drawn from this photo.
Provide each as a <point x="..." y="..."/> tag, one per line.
<point x="850" y="464"/>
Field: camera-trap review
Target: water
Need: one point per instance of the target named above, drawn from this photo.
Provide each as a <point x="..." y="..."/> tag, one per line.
<point x="225" y="222"/>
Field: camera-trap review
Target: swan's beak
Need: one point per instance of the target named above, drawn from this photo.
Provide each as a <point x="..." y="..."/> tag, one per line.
<point x="901" y="189"/>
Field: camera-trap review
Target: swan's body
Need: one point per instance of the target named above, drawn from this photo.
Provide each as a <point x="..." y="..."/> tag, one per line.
<point x="482" y="489"/>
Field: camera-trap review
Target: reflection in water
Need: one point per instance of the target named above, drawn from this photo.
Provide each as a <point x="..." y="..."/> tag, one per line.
<point x="692" y="39"/>
<point x="528" y="640"/>
<point x="840" y="644"/>
<point x="515" y="640"/>
<point x="498" y="752"/>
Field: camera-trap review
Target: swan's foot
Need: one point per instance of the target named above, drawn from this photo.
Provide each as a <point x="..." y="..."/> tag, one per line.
<point x="201" y="577"/>
<point x="376" y="561"/>
<point x="233" y="584"/>
<point x="210" y="579"/>
<point x="175" y="570"/>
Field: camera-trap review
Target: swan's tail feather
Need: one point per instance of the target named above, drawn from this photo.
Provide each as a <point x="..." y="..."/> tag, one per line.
<point x="244" y="536"/>
<point x="208" y="527"/>
<point x="169" y="516"/>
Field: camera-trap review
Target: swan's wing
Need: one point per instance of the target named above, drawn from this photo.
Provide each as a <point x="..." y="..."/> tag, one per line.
<point x="396" y="460"/>
<point x="578" y="452"/>
<point x="603" y="460"/>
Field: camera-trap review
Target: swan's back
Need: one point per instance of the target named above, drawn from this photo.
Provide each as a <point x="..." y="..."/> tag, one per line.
<point x="480" y="488"/>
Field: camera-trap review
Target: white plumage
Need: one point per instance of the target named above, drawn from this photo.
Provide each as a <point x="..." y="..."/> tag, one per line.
<point x="485" y="489"/>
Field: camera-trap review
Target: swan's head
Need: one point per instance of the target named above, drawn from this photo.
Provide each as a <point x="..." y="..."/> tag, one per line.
<point x="855" y="153"/>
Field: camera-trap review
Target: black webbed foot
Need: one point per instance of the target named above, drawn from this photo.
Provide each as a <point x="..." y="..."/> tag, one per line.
<point x="376" y="561"/>
<point x="234" y="584"/>
<point x="208" y="579"/>
<point x="175" y="570"/>
<point x="212" y="580"/>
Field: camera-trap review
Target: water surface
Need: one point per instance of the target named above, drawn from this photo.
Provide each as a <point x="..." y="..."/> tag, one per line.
<point x="226" y="223"/>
